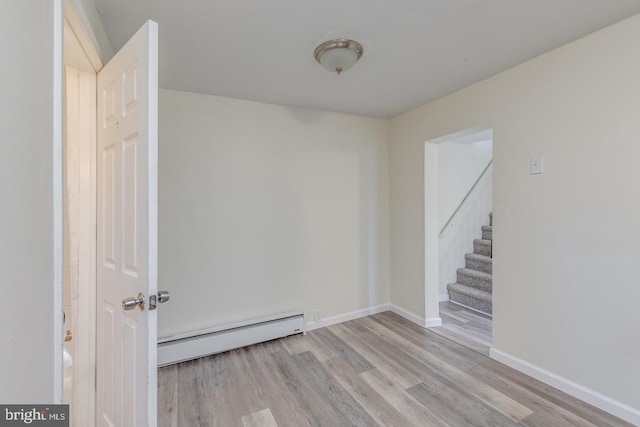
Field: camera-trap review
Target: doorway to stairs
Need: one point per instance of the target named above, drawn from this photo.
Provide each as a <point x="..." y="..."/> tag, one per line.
<point x="458" y="237"/>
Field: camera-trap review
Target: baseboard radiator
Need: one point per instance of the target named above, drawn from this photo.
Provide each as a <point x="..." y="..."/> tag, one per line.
<point x="180" y="348"/>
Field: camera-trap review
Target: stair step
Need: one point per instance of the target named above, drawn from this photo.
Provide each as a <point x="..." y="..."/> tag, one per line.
<point x="470" y="297"/>
<point x="475" y="279"/>
<point x="479" y="262"/>
<point x="482" y="247"/>
<point x="487" y="232"/>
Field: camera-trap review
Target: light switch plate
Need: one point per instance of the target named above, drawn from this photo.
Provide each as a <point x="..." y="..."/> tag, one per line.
<point x="536" y="165"/>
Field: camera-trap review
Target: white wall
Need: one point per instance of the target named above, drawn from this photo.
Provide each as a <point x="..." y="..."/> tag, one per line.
<point x="459" y="167"/>
<point x="264" y="209"/>
<point x="565" y="299"/>
<point x="92" y="22"/>
<point x="30" y="207"/>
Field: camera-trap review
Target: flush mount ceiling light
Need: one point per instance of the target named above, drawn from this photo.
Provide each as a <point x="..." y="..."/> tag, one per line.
<point x="338" y="55"/>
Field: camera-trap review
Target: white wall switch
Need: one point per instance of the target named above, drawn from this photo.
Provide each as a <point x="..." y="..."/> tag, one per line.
<point x="536" y="165"/>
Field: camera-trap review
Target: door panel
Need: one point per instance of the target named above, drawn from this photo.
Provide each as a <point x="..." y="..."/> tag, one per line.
<point x="127" y="233"/>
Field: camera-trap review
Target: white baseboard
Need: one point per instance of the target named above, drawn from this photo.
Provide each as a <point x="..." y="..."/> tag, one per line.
<point x="407" y="315"/>
<point x="346" y="317"/>
<point x="433" y="322"/>
<point x="443" y="298"/>
<point x="581" y="392"/>
<point x="422" y="322"/>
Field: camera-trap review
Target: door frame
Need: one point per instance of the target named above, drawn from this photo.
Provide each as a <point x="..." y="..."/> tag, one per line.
<point x="84" y="397"/>
<point x="431" y="228"/>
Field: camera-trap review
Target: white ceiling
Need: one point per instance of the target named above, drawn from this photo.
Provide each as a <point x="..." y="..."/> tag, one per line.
<point x="414" y="50"/>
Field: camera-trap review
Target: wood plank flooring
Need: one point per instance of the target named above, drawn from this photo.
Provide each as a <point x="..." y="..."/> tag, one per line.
<point x="466" y="327"/>
<point x="377" y="370"/>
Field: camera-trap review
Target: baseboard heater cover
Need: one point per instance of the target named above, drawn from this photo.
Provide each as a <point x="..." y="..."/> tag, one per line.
<point x="221" y="339"/>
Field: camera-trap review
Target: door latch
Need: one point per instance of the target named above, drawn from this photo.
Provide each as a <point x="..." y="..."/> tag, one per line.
<point x="163" y="296"/>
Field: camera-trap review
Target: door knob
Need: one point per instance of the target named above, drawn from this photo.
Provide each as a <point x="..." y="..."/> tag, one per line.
<point x="131" y="302"/>
<point x="163" y="296"/>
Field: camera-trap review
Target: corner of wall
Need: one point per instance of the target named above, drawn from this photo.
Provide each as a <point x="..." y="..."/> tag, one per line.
<point x="90" y="18"/>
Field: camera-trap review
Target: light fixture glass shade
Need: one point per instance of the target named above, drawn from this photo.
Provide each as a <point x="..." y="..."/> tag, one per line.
<point x="338" y="55"/>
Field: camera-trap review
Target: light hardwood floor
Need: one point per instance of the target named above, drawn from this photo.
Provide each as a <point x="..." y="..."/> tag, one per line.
<point x="377" y="370"/>
<point x="469" y="328"/>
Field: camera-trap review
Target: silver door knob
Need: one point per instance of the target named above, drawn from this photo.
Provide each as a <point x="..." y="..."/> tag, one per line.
<point x="131" y="302"/>
<point x="162" y="296"/>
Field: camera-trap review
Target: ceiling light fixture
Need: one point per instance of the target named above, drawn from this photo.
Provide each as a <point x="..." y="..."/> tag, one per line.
<point x="338" y="55"/>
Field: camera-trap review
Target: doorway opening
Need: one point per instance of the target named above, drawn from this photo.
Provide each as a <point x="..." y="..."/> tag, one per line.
<point x="458" y="236"/>
<point x="81" y="64"/>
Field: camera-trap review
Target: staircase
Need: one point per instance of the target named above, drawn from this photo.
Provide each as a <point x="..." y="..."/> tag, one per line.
<point x="474" y="287"/>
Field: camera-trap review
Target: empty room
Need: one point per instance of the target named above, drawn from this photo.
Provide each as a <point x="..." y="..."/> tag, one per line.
<point x="288" y="214"/>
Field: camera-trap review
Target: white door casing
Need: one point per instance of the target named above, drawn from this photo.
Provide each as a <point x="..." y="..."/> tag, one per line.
<point x="127" y="233"/>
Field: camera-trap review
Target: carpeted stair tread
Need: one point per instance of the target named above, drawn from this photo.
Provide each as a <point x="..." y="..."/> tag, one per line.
<point x="479" y="262"/>
<point x="471" y="297"/>
<point x="487" y="232"/>
<point x="482" y="247"/>
<point x="474" y="285"/>
<point x="475" y="279"/>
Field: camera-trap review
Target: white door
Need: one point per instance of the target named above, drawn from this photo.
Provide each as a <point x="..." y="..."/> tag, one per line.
<point x="127" y="233"/>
